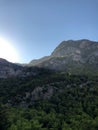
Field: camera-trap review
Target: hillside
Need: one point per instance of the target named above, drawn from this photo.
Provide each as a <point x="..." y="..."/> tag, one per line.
<point x="49" y="101"/>
<point x="72" y="56"/>
<point x="56" y="92"/>
<point x="9" y="70"/>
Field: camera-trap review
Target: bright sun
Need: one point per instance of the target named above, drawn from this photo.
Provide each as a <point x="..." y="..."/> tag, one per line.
<point x="7" y="51"/>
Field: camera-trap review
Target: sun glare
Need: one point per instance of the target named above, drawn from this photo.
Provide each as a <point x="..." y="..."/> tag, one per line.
<point x="7" y="51"/>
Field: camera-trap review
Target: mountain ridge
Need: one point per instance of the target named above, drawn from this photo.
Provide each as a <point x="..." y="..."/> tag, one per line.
<point x="72" y="56"/>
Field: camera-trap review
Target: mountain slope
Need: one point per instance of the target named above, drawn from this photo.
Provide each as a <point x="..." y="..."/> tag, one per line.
<point x="71" y="56"/>
<point x="9" y="70"/>
<point x="39" y="99"/>
<point x="56" y="101"/>
<point x="76" y="57"/>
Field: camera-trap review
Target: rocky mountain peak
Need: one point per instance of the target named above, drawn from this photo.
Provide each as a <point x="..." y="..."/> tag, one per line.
<point x="72" y="55"/>
<point x="72" y="46"/>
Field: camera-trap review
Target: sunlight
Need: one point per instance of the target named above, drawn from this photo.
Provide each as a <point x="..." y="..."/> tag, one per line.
<point x="7" y="51"/>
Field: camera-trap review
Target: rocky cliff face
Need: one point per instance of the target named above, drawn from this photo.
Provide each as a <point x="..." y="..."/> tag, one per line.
<point x="72" y="55"/>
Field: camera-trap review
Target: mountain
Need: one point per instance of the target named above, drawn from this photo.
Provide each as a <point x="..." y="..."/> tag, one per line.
<point x="73" y="56"/>
<point x="9" y="70"/>
<point x="35" y="98"/>
<point x="80" y="56"/>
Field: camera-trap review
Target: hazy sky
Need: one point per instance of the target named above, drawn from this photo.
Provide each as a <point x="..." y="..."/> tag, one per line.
<point x="36" y="27"/>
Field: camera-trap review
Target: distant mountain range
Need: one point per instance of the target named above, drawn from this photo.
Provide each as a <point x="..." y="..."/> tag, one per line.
<point x="80" y="56"/>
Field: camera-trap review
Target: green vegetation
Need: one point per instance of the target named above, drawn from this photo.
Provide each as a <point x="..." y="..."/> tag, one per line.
<point x="72" y="103"/>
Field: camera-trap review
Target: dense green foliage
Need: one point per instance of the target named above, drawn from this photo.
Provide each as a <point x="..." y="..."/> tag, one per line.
<point x="73" y="105"/>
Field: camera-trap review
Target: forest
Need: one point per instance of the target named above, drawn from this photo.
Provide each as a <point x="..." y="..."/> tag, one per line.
<point x="49" y="101"/>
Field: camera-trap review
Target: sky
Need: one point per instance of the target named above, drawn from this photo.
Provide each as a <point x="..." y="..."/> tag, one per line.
<point x="36" y="27"/>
